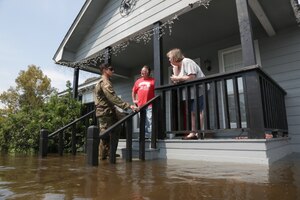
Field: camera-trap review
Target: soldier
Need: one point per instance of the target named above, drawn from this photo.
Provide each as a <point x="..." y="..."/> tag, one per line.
<point x="106" y="112"/>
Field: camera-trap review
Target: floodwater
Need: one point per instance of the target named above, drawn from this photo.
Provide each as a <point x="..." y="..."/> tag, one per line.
<point x="68" y="177"/>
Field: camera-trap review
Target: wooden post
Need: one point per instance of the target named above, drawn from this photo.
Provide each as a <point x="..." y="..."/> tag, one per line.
<point x="60" y="143"/>
<point x="75" y="82"/>
<point x="158" y="72"/>
<point x="254" y="107"/>
<point x="142" y="135"/>
<point x="156" y="122"/>
<point x="245" y="33"/>
<point x="92" y="145"/>
<point x="157" y="55"/>
<point x="129" y="140"/>
<point x="43" y="148"/>
<point x="75" y="96"/>
<point x="113" y="143"/>
<point x="73" y="139"/>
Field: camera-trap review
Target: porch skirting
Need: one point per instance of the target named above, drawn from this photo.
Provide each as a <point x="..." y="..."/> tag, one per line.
<point x="252" y="151"/>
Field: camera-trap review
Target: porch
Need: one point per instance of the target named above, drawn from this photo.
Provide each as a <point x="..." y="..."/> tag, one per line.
<point x="244" y="120"/>
<point x="241" y="104"/>
<point x="254" y="151"/>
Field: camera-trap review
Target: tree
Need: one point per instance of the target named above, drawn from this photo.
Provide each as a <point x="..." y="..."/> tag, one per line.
<point x="32" y="88"/>
<point x="31" y="106"/>
<point x="10" y="100"/>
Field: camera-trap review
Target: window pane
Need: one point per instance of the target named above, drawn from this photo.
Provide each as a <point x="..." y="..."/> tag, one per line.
<point x="233" y="60"/>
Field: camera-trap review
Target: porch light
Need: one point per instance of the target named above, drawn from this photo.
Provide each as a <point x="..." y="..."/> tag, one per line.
<point x="207" y="64"/>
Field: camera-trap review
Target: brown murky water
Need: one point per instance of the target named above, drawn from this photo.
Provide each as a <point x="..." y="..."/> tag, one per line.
<point x="68" y="177"/>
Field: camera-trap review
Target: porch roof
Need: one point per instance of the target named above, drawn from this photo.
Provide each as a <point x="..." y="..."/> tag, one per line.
<point x="217" y="22"/>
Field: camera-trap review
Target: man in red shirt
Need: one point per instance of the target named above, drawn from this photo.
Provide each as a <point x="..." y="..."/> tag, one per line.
<point x="142" y="92"/>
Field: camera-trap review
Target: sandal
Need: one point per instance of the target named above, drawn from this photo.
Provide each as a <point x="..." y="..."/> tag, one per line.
<point x="193" y="137"/>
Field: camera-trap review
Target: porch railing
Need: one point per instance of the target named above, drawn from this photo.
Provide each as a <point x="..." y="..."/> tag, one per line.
<point x="245" y="103"/>
<point x="93" y="134"/>
<point x="93" y="137"/>
<point x="45" y="136"/>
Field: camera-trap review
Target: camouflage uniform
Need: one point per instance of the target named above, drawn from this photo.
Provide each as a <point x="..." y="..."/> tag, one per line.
<point x="106" y="113"/>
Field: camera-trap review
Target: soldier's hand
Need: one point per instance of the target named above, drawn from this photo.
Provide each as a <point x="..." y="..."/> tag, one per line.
<point x="134" y="108"/>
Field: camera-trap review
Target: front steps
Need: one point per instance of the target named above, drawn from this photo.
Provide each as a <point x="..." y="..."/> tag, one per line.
<point x="150" y="154"/>
<point x="252" y="151"/>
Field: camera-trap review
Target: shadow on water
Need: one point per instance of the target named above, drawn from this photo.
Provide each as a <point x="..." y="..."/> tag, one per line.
<point x="68" y="177"/>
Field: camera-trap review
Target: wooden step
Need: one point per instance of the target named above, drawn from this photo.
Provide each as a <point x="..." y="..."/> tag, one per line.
<point x="150" y="154"/>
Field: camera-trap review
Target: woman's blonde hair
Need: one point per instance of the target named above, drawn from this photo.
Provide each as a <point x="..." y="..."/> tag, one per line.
<point x="175" y="54"/>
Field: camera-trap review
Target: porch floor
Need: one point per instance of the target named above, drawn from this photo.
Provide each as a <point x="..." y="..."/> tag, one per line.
<point x="254" y="151"/>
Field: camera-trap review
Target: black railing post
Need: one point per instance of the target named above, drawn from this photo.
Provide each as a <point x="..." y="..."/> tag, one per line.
<point x="142" y="135"/>
<point x="174" y="110"/>
<point x="129" y="140"/>
<point x="206" y="115"/>
<point x="254" y="108"/>
<point x="43" y="149"/>
<point x="162" y="123"/>
<point x="92" y="145"/>
<point x="60" y="143"/>
<point x="156" y="122"/>
<point x="73" y="139"/>
<point x="114" y="139"/>
<point x="75" y="82"/>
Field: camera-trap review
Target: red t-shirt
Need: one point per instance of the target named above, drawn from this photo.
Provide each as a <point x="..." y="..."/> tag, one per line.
<point x="144" y="88"/>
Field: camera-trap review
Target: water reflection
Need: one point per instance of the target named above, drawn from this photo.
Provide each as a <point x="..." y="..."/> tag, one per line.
<point x="68" y="177"/>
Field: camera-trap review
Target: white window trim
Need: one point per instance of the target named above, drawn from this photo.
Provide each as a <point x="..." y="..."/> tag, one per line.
<point x="236" y="48"/>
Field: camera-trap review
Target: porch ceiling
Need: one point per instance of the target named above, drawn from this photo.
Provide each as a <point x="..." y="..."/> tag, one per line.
<point x="201" y="27"/>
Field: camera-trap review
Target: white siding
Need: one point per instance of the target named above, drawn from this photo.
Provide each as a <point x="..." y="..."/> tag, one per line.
<point x="281" y="59"/>
<point x="123" y="88"/>
<point x="111" y="27"/>
<point x="88" y="97"/>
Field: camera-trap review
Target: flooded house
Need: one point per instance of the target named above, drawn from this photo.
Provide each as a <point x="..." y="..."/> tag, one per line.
<point x="249" y="51"/>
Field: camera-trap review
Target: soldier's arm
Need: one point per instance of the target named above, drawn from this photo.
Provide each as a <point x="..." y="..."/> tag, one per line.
<point x="112" y="97"/>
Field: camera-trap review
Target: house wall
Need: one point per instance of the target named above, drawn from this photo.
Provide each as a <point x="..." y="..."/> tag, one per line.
<point x="123" y="88"/>
<point x="280" y="57"/>
<point x="111" y="27"/>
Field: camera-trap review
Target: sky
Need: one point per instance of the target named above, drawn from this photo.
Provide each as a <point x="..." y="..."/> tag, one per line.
<point x="31" y="32"/>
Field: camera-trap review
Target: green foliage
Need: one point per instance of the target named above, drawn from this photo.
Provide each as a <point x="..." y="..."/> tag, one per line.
<point x="31" y="90"/>
<point x="31" y="107"/>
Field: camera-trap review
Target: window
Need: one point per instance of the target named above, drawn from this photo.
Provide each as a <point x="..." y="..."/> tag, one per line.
<point x="232" y="59"/>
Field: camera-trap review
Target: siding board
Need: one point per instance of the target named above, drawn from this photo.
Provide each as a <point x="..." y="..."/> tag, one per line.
<point x="117" y="28"/>
<point x="290" y="83"/>
<point x="280" y="57"/>
<point x="286" y="75"/>
<point x="123" y="88"/>
<point x="279" y="68"/>
<point x="292" y="102"/>
<point x="293" y="111"/>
